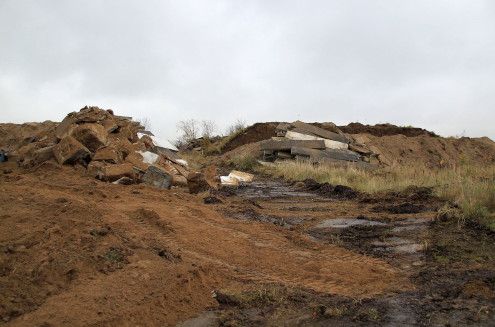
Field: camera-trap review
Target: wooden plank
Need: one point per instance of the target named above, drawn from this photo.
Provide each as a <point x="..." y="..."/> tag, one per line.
<point x="317" y="155"/>
<point x="287" y="144"/>
<point x="330" y="144"/>
<point x="321" y="132"/>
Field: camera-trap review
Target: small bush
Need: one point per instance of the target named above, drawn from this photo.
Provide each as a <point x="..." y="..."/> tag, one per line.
<point x="245" y="162"/>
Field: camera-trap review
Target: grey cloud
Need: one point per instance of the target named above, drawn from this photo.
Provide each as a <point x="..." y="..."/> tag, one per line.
<point x="424" y="63"/>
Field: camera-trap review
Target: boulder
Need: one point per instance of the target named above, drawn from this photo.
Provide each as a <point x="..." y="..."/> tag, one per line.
<point x="212" y="177"/>
<point x="157" y="177"/>
<point x="36" y="157"/>
<point x="115" y="172"/>
<point x="229" y="181"/>
<point x="196" y="182"/>
<point x="109" y="125"/>
<point x="123" y="145"/>
<point x="136" y="160"/>
<point x="96" y="169"/>
<point x="129" y="133"/>
<point x="91" y="115"/>
<point x="241" y="176"/>
<point x="92" y="136"/>
<point x="65" y="127"/>
<point x="179" y="180"/>
<point x="108" y="154"/>
<point x="69" y="151"/>
<point x="43" y="154"/>
<point x="148" y="142"/>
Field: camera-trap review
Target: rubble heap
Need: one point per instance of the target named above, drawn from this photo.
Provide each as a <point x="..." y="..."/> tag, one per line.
<point x="114" y="149"/>
<point x="307" y="142"/>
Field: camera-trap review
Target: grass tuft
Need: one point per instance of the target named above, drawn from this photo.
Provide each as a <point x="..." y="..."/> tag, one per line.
<point x="246" y="163"/>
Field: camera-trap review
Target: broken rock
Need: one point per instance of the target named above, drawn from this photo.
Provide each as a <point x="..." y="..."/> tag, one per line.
<point x="115" y="172"/>
<point x="212" y="177"/>
<point x="108" y="154"/>
<point x="196" y="182"/>
<point x="37" y="157"/>
<point x="110" y="125"/>
<point x="136" y="160"/>
<point x="92" y="136"/>
<point x="69" y="151"/>
<point x="241" y="176"/>
<point x="157" y="177"/>
<point x="96" y="169"/>
<point x="229" y="181"/>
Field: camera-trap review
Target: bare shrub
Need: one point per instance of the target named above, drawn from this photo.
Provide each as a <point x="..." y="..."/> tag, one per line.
<point x="189" y="129"/>
<point x="239" y="124"/>
<point x="145" y="122"/>
<point x="208" y="128"/>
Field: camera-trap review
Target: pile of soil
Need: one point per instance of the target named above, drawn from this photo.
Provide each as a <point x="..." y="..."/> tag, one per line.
<point x="341" y="192"/>
<point x="392" y="145"/>
<point x="430" y="151"/>
<point x="255" y="133"/>
<point x="384" y="130"/>
<point x="15" y="136"/>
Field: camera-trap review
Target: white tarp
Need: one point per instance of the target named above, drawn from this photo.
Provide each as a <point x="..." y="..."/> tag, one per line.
<point x="162" y="143"/>
<point x="149" y="157"/>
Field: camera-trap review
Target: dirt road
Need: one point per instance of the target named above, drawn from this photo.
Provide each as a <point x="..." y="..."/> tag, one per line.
<point x="80" y="252"/>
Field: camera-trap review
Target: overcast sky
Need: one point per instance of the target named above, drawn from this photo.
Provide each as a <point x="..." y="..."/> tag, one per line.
<point x="429" y="64"/>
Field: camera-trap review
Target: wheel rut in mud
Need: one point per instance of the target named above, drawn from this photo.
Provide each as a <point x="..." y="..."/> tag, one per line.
<point x="449" y="286"/>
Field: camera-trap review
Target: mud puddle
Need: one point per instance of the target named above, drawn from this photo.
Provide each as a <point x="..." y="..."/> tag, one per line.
<point x="276" y="192"/>
<point x="402" y="240"/>
<point x="451" y="268"/>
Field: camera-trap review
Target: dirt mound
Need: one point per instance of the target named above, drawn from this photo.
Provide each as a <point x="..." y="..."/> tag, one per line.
<point x="429" y="151"/>
<point x="255" y="133"/>
<point x="15" y="136"/>
<point x="384" y="130"/>
<point x="385" y="144"/>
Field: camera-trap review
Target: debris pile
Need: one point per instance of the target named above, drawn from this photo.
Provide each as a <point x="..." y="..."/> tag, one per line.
<point x="304" y="141"/>
<point x="114" y="149"/>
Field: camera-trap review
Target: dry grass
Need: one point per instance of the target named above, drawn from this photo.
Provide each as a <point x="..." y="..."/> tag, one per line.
<point x="217" y="148"/>
<point x="471" y="187"/>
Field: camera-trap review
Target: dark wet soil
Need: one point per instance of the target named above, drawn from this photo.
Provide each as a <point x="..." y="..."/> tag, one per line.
<point x="334" y="191"/>
<point x="451" y="265"/>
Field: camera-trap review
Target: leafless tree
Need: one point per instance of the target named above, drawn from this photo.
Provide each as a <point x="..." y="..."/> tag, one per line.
<point x="145" y="122"/>
<point x="208" y="128"/>
<point x="189" y="129"/>
<point x="238" y="125"/>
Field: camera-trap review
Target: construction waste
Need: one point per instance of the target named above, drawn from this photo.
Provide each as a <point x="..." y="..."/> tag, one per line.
<point x="115" y="149"/>
<point x="302" y="141"/>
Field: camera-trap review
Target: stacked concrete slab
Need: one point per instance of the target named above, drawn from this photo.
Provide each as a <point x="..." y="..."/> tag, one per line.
<point x="302" y="141"/>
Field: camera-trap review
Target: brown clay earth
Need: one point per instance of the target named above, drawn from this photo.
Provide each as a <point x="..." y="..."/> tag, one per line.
<point x="80" y="252"/>
<point x="396" y="145"/>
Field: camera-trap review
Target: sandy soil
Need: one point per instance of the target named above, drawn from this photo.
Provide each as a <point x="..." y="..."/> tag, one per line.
<point x="86" y="253"/>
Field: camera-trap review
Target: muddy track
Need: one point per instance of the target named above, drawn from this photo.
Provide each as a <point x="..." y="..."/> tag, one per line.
<point x="85" y="253"/>
<point x="406" y="240"/>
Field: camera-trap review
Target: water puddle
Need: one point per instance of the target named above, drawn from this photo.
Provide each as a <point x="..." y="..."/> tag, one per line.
<point x="344" y="223"/>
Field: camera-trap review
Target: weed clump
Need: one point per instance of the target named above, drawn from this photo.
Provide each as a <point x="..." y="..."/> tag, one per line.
<point x="247" y="163"/>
